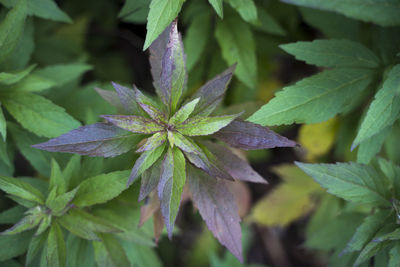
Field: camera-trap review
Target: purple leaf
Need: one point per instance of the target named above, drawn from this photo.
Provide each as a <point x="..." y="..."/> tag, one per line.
<point x="150" y="179"/>
<point x="136" y="124"/>
<point x="112" y="98"/>
<point x="217" y="207"/>
<point x="238" y="168"/>
<point x="153" y="142"/>
<point x="99" y="139"/>
<point x="148" y="106"/>
<point x="170" y="187"/>
<point x="212" y="93"/>
<point x="250" y="136"/>
<point x="127" y="99"/>
<point x="145" y="161"/>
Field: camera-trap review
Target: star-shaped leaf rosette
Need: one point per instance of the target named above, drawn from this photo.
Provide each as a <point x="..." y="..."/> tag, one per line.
<point x="170" y="135"/>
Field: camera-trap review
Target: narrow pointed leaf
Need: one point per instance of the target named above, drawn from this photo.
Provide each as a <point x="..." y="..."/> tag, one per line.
<point x="217" y="207"/>
<point x="184" y="112"/>
<point x="149" y="106"/>
<point x="112" y="98"/>
<point x="204" y="125"/>
<point x="127" y="99"/>
<point x="249" y="136"/>
<point x="26" y="223"/>
<point x="218" y="7"/>
<point x="44" y="225"/>
<point x="97" y="189"/>
<point x="186" y="144"/>
<point x="161" y="14"/>
<point x="56" y="178"/>
<point x="36" y="244"/>
<point x="3" y="125"/>
<point x="11" y="28"/>
<point x="170" y="187"/>
<point x="353" y="182"/>
<point x="56" y="249"/>
<point x="61" y="202"/>
<point x="114" y="251"/>
<point x="153" y="142"/>
<point x="247" y="10"/>
<point x="145" y="161"/>
<point x="7" y="78"/>
<point x="212" y="93"/>
<point x="238" y="168"/>
<point x="384" y="109"/>
<point x="148" y="210"/>
<point x="135" y="124"/>
<point x="24" y="190"/>
<point x="38" y="114"/>
<point x="99" y="139"/>
<point x="150" y="179"/>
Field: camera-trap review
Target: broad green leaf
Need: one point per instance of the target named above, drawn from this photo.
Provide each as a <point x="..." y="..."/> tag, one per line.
<point x="51" y="76"/>
<point x="11" y="29"/>
<point x="12" y="215"/>
<point x="56" y="178"/>
<point x="46" y="9"/>
<point x="109" y="252"/>
<point x="31" y="220"/>
<point x="217" y="207"/>
<point x="333" y="53"/>
<point x="350" y="181"/>
<point x="204" y="125"/>
<point x="288" y="201"/>
<point x="184" y="112"/>
<point x="39" y="114"/>
<point x="218" y="7"/>
<point x="3" y="125"/>
<point x="134" y="124"/>
<point x="135" y="11"/>
<point x="8" y="78"/>
<point x="23" y="139"/>
<point x="100" y="189"/>
<point x="371" y="146"/>
<point x="268" y="23"/>
<point x="368" y="229"/>
<point x="237" y="44"/>
<point x="145" y="161"/>
<point x="80" y="252"/>
<point x="394" y="256"/>
<point x="161" y="14"/>
<point x="14" y="245"/>
<point x="382" y="12"/>
<point x="301" y="103"/>
<point x="36" y="244"/>
<point x="170" y="187"/>
<point x="139" y="255"/>
<point x="384" y="109"/>
<point x="153" y="142"/>
<point x="18" y="188"/>
<point x="56" y="248"/>
<point x="246" y="8"/>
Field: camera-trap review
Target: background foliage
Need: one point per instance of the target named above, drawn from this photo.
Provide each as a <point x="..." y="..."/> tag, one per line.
<point x="325" y="74"/>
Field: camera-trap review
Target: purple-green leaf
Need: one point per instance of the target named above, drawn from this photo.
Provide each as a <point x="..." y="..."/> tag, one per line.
<point x="127" y="99"/>
<point x="184" y="112"/>
<point x="238" y="168"/>
<point x="217" y="207"/>
<point x="150" y="179"/>
<point x="149" y="106"/>
<point x="170" y="187"/>
<point x="197" y="126"/>
<point x="136" y="124"/>
<point x="249" y="136"/>
<point x="153" y="142"/>
<point x="99" y="139"/>
<point x="112" y="98"/>
<point x="186" y="144"/>
<point x="145" y="161"/>
<point x="212" y="93"/>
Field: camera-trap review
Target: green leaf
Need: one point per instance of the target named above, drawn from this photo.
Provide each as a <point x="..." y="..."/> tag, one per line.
<point x="135" y="11"/>
<point x="31" y="220"/>
<point x="153" y="142"/>
<point x="237" y="44"/>
<point x="218" y="7"/>
<point x="247" y="10"/>
<point x="350" y="181"/>
<point x="139" y="255"/>
<point x="382" y="12"/>
<point x="4" y="154"/>
<point x="8" y="78"/>
<point x="134" y="123"/>
<point x="14" y="245"/>
<point x="80" y="252"/>
<point x="109" y="252"/>
<point x="371" y="146"/>
<point x="46" y="9"/>
<point x="51" y="76"/>
<point x="18" y="188"/>
<point x="100" y="189"/>
<point x="44" y="225"/>
<point x="12" y="215"/>
<point x="56" y="248"/>
<point x="3" y="124"/>
<point x="384" y="109"/>
<point x="301" y="103"/>
<point x="170" y="187"/>
<point x="268" y="23"/>
<point x="184" y="112"/>
<point x="186" y="144"/>
<point x="161" y="14"/>
<point x="394" y="256"/>
<point x="11" y="29"/>
<point x="333" y="53"/>
<point x="204" y="125"/>
<point x="39" y="114"/>
<point x="36" y="244"/>
<point x="56" y="178"/>
<point x="59" y="205"/>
